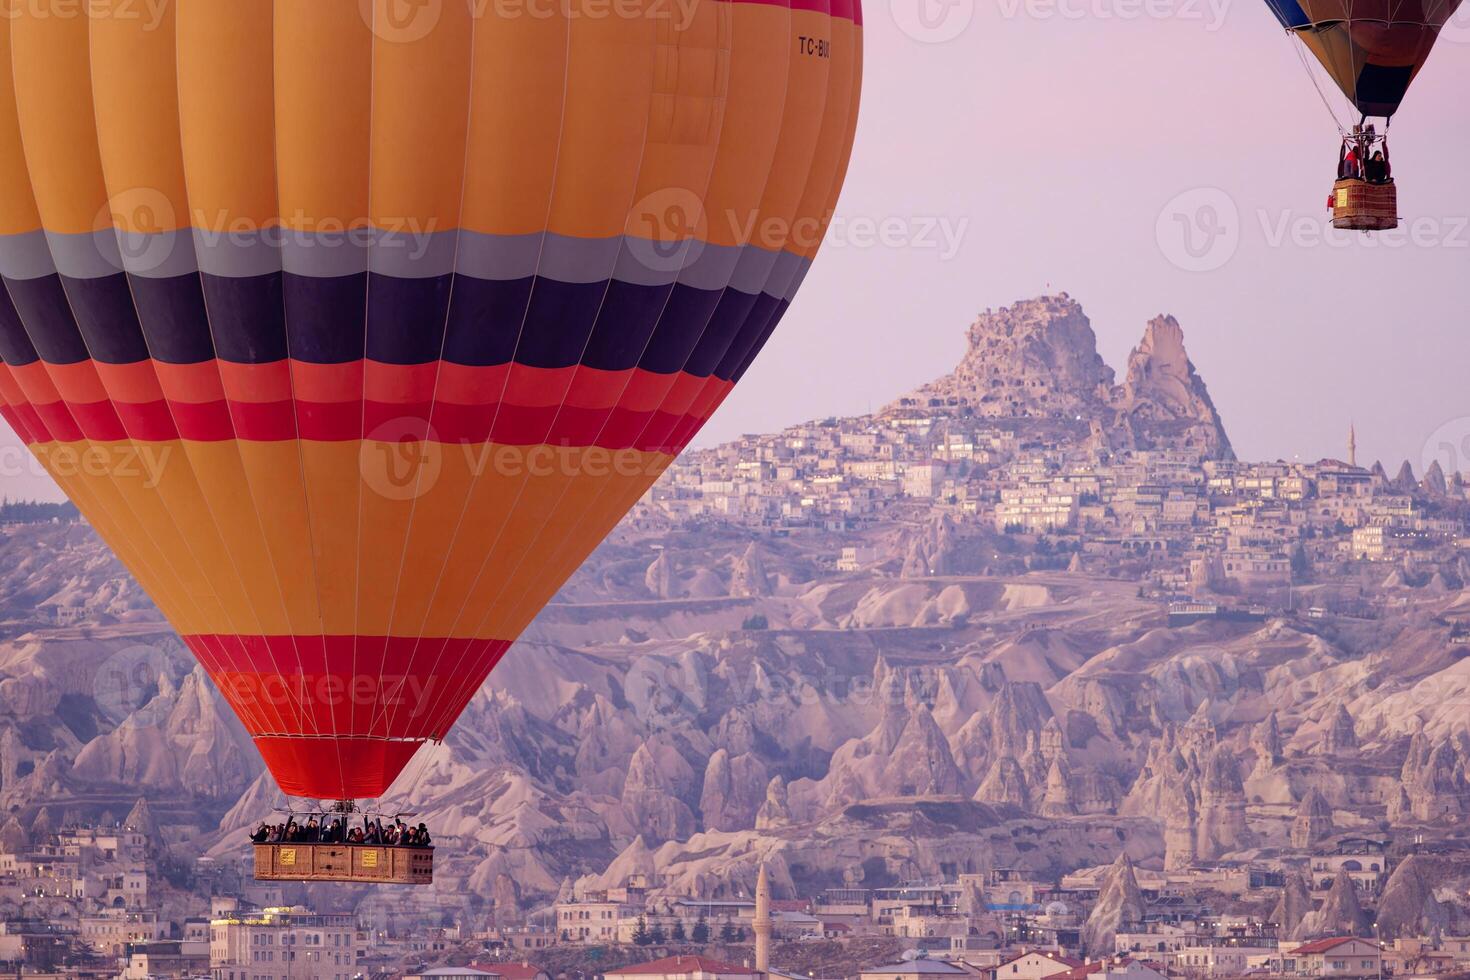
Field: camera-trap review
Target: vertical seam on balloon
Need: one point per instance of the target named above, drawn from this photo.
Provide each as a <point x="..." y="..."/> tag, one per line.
<point x="172" y="570"/>
<point x="723" y="10"/>
<point x="121" y="526"/>
<point x="229" y="405"/>
<point x="526" y="478"/>
<point x="520" y="609"/>
<point x="850" y="122"/>
<point x="367" y="292"/>
<point x="428" y="433"/>
<point x="137" y="313"/>
<point x="296" y="417"/>
<point x="510" y="363"/>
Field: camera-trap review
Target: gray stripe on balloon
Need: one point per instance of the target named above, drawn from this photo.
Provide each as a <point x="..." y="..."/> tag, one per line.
<point x="406" y="255"/>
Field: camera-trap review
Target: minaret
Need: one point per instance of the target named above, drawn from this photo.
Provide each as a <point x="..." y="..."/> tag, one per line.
<point x="1352" y="445"/>
<point x="762" y="924"/>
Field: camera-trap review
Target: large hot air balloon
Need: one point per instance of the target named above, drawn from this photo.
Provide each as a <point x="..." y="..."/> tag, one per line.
<point x="1372" y="50"/>
<point x="353" y="326"/>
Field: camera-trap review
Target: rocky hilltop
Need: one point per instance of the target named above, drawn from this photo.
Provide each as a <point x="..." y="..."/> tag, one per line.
<point x="1037" y="361"/>
<point x="868" y="697"/>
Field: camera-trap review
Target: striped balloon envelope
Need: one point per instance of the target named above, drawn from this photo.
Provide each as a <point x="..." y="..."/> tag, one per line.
<point x="1372" y="49"/>
<point x="353" y="326"/>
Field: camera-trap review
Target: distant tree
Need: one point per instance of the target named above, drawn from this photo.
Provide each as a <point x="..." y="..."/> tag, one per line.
<point x="657" y="936"/>
<point x="1301" y="565"/>
<point x="756" y="622"/>
<point x="727" y="933"/>
<point x="740" y="934"/>
<point x="701" y="931"/>
<point x="641" y="936"/>
<point x="678" y="933"/>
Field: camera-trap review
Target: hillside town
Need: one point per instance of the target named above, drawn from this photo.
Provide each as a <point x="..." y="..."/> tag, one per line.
<point x="88" y="911"/>
<point x="1023" y="677"/>
<point x="1135" y="479"/>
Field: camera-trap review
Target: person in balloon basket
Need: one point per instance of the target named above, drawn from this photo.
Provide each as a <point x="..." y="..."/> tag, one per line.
<point x="1377" y="170"/>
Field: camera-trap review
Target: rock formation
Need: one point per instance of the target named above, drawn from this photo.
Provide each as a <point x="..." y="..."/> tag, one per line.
<point x="748" y="576"/>
<point x="1342" y="733"/>
<point x="734" y="789"/>
<point x="1408" y="906"/>
<point x="1058" y="799"/>
<point x="659" y="579"/>
<point x="1163" y="394"/>
<point x="776" y="810"/>
<point x="1293" y="907"/>
<point x="649" y="803"/>
<point x="1432" y="782"/>
<point x="1005" y="783"/>
<point x="1313" y="821"/>
<point x="1222" y="824"/>
<point x="1120" y="904"/>
<point x="1038" y="360"/>
<point x="1341" y="914"/>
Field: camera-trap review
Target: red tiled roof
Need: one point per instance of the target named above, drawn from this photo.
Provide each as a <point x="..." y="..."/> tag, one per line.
<point x="511" y="971"/>
<point x="1077" y="972"/>
<point x="683" y="964"/>
<point x="1066" y="961"/>
<point x="1325" y="945"/>
<point x="837" y="927"/>
<point x="1083" y="971"/>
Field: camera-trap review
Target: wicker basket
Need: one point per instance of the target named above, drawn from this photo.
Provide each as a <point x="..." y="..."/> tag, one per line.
<point x="1360" y="206"/>
<point x="344" y="862"/>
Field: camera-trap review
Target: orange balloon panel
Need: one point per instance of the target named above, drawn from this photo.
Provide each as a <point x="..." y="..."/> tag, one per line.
<point x="354" y="325"/>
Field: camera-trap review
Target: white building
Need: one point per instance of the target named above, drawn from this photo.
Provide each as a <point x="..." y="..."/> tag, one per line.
<point x="284" y="944"/>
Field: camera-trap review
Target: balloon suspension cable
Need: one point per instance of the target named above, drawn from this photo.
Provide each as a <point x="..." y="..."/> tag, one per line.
<point x="1297" y="49"/>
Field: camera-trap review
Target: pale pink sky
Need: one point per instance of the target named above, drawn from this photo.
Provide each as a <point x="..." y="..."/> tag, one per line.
<point x="1063" y="139"/>
<point x="1054" y="138"/>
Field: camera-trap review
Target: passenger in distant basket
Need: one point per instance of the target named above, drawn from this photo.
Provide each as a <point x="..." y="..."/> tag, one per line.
<point x="262" y="833"/>
<point x="423" y="836"/>
<point x="1377" y="168"/>
<point x="312" y="832"/>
